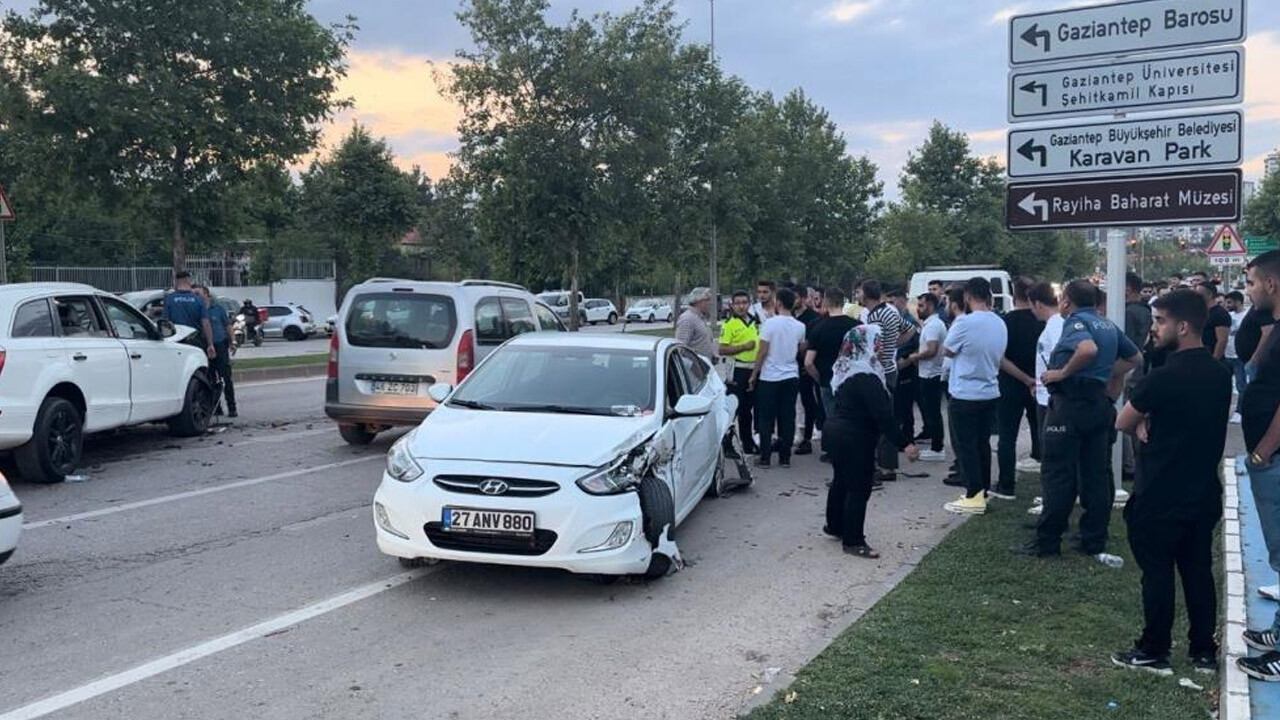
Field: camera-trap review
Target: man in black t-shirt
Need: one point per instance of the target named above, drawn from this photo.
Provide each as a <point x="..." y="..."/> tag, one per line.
<point x="1017" y="388"/>
<point x="810" y="399"/>
<point x="1254" y="329"/>
<point x="1178" y="414"/>
<point x="824" y="340"/>
<point x="1218" y="327"/>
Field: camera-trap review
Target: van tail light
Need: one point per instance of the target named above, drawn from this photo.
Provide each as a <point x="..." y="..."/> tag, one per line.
<point x="333" y="356"/>
<point x="466" y="356"/>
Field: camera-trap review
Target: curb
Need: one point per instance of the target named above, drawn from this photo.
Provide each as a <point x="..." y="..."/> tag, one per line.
<point x="1234" y="697"/>
<point x="278" y="373"/>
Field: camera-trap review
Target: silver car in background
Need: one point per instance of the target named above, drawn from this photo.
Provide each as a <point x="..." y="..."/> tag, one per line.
<point x="395" y="338"/>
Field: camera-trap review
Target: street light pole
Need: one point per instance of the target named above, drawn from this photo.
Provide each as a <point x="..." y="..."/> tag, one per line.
<point x="715" y="270"/>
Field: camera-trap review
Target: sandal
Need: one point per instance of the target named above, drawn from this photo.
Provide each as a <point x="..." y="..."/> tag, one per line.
<point x="862" y="551"/>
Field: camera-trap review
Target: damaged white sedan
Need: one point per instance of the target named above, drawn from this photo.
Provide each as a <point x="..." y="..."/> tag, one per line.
<point x="562" y="450"/>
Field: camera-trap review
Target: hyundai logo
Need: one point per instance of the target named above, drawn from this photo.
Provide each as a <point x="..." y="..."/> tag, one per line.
<point x="493" y="486"/>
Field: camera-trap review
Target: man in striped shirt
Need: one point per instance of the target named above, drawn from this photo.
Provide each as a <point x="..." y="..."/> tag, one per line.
<point x="879" y="312"/>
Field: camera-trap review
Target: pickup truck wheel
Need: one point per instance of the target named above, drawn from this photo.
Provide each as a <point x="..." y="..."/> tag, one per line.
<point x="293" y="333"/>
<point x="356" y="434"/>
<point x="197" y="409"/>
<point x="57" y="441"/>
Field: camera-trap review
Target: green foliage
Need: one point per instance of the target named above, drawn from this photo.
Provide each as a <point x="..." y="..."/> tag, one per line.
<point x="1262" y="214"/>
<point x="172" y="99"/>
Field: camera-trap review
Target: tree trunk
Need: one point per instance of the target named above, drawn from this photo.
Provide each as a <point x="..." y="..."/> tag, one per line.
<point x="573" y="292"/>
<point x="179" y="241"/>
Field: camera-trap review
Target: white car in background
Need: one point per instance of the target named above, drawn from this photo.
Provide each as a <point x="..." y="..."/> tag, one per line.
<point x="288" y="321"/>
<point x="77" y="360"/>
<point x="599" y="310"/>
<point x="578" y="452"/>
<point x="650" y="310"/>
<point x="10" y="520"/>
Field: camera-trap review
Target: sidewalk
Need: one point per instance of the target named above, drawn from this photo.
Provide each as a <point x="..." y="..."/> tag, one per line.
<point x="1247" y="569"/>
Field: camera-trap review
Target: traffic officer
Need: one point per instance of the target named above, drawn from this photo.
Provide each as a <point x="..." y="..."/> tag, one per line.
<point x="184" y="307"/>
<point x="1086" y="371"/>
<point x="738" y="344"/>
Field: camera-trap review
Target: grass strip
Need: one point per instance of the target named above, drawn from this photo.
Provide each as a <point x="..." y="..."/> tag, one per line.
<point x="977" y="633"/>
<point x="281" y="362"/>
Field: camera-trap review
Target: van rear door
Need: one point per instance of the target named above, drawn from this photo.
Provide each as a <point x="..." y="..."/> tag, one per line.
<point x="394" y="345"/>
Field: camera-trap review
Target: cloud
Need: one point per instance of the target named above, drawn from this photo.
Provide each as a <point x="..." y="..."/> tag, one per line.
<point x="1262" y="84"/>
<point x="847" y="11"/>
<point x="396" y="96"/>
<point x="1003" y="14"/>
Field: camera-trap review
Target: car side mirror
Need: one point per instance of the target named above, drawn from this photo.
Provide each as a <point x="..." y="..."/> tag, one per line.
<point x="167" y="330"/>
<point x="439" y="392"/>
<point x="692" y="406"/>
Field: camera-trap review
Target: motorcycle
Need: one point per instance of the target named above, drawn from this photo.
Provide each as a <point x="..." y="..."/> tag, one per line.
<point x="241" y="330"/>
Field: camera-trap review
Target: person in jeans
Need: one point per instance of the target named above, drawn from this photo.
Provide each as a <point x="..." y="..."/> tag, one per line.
<point x="1017" y="388"/>
<point x="220" y="325"/>
<point x="1086" y="369"/>
<point x="976" y="344"/>
<point x="1178" y="418"/>
<point x="776" y="379"/>
<point x="878" y="312"/>
<point x="863" y="412"/>
<point x="928" y="363"/>
<point x="738" y="338"/>
<point x="1260" y="422"/>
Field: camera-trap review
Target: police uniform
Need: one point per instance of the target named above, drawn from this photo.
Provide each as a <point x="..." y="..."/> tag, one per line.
<point x="1077" y="434"/>
<point x="737" y="331"/>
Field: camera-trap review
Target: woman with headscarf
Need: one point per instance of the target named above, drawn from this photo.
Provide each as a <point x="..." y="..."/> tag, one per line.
<point x="863" y="412"/>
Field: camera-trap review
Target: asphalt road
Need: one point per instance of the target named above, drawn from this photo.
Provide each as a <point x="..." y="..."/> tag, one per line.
<point x="235" y="575"/>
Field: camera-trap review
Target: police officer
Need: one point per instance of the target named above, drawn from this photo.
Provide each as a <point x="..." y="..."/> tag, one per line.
<point x="1086" y="369"/>
<point x="738" y="338"/>
<point x="185" y="307"/>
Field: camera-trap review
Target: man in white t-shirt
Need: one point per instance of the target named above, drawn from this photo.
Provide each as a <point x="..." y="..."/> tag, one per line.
<point x="776" y="379"/>
<point x="766" y="301"/>
<point x="976" y="344"/>
<point x="1044" y="304"/>
<point x="1234" y="302"/>
<point x="928" y="361"/>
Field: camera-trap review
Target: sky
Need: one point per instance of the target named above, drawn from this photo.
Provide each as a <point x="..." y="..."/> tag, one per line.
<point x="884" y="69"/>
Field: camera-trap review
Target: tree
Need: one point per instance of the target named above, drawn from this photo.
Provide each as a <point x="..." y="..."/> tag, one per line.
<point x="358" y="204"/>
<point x="1262" y="214"/>
<point x="172" y="97"/>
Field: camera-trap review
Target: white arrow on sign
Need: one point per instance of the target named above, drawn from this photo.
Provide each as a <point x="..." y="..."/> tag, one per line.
<point x="1031" y="205"/>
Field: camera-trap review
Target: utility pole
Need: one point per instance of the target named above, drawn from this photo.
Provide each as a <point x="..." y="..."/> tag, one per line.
<point x="715" y="269"/>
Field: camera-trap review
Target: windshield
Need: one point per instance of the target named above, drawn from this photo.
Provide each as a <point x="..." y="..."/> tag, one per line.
<point x="401" y="320"/>
<point x="561" y="380"/>
<point x="555" y="299"/>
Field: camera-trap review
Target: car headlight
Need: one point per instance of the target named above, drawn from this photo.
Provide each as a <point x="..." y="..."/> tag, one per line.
<point x="400" y="464"/>
<point x="617" y="477"/>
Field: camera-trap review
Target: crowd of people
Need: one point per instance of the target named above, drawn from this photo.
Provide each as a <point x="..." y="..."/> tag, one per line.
<point x="861" y="367"/>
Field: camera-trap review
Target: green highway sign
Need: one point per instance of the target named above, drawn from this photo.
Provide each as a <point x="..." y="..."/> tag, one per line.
<point x="1258" y="244"/>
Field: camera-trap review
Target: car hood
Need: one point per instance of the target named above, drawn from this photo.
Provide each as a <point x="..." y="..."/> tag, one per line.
<point x="587" y="441"/>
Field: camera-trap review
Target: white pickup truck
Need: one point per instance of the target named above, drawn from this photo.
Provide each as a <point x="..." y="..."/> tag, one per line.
<point x="77" y="360"/>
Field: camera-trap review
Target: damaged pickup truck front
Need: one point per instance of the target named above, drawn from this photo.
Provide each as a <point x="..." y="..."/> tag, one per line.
<point x="565" y="451"/>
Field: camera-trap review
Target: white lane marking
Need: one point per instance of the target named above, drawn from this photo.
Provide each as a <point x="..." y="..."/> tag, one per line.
<point x="195" y="493"/>
<point x="286" y="381"/>
<point x="150" y="669"/>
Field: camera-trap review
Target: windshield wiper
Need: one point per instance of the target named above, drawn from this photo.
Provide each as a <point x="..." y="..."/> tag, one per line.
<point x="565" y="409"/>
<point x="471" y="405"/>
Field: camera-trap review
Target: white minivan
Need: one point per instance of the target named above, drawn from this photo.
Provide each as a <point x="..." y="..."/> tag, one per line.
<point x="395" y="338"/>
<point x="1001" y="284"/>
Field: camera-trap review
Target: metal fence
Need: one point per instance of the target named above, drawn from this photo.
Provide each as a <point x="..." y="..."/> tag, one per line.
<point x="218" y="272"/>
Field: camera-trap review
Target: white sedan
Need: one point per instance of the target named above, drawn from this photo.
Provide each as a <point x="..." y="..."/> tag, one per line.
<point x="10" y="520"/>
<point x="579" y="452"/>
<point x="650" y="310"/>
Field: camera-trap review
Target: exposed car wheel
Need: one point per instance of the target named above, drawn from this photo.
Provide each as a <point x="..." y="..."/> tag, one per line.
<point x="613" y="318"/>
<point x="197" y="409"/>
<point x="651" y="318"/>
<point x="57" y="441"/>
<point x="658" y="512"/>
<point x="356" y="434"/>
<point x="293" y="333"/>
<point x="718" y="487"/>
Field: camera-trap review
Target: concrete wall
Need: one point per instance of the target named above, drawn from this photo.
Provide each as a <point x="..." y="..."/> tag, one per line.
<point x="315" y="295"/>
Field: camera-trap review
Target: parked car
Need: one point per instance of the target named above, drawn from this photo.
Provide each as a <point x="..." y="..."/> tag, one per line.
<point x="579" y="452"/>
<point x="599" y="310"/>
<point x="395" y="338"/>
<point x="650" y="310"/>
<point x="10" y="520"/>
<point x="558" y="301"/>
<point x="77" y="360"/>
<point x="289" y="321"/>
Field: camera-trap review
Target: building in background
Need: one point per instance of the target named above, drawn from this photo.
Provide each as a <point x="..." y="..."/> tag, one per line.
<point x="1271" y="164"/>
<point x="1248" y="189"/>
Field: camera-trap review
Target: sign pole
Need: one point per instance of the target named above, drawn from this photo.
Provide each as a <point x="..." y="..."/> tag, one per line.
<point x="1116" y="247"/>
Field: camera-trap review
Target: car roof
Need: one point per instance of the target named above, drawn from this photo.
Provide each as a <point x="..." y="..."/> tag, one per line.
<point x="601" y="341"/>
<point x="36" y="288"/>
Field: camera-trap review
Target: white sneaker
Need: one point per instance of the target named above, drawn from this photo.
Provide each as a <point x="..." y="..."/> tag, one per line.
<point x="1235" y="418"/>
<point x="933" y="456"/>
<point x="1270" y="592"/>
<point x="1029" y="465"/>
<point x="1122" y="495"/>
<point x="1036" y="509"/>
